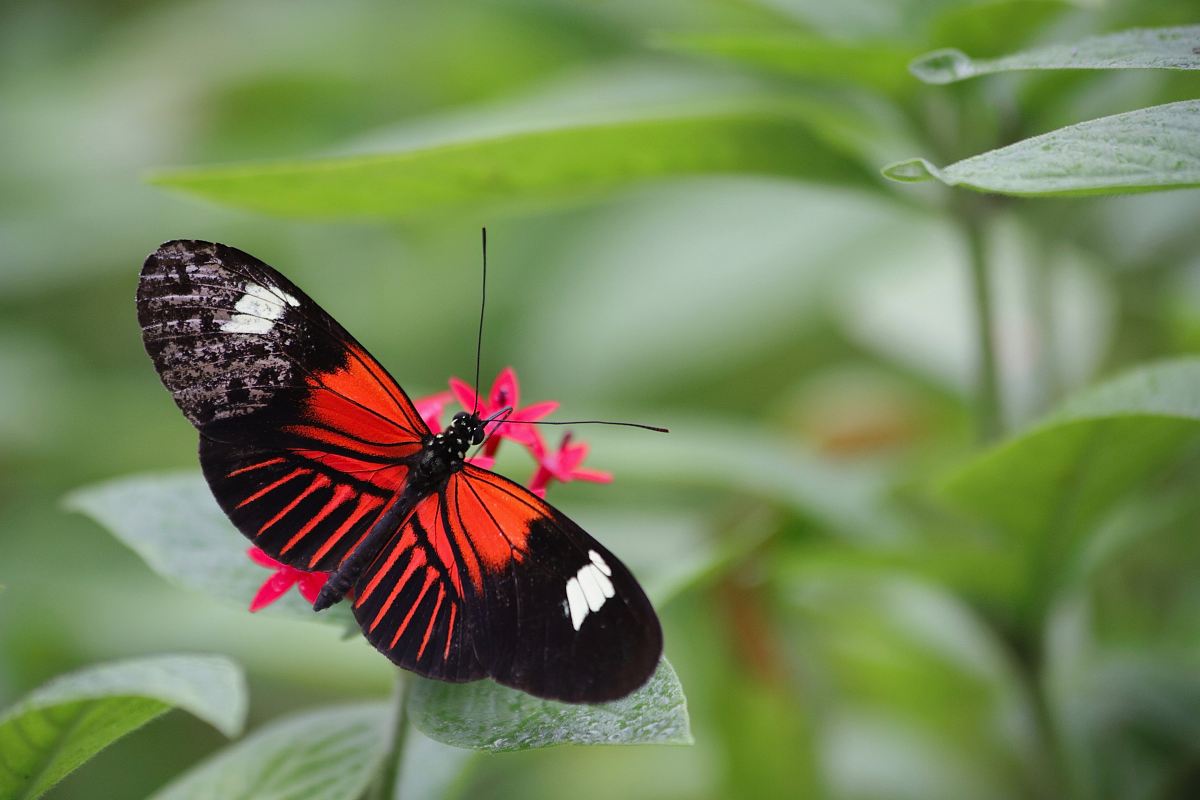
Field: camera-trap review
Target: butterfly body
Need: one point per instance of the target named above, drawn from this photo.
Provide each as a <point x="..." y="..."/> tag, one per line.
<point x="441" y="455"/>
<point x="318" y="457"/>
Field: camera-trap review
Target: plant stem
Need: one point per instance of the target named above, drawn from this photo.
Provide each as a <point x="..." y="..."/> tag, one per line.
<point x="988" y="388"/>
<point x="384" y="786"/>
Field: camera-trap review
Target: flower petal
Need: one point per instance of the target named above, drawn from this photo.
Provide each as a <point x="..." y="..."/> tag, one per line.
<point x="505" y="389"/>
<point x="430" y="408"/>
<point x="540" y="480"/>
<point x="530" y="438"/>
<point x="466" y="396"/>
<point x="593" y="475"/>
<point x="272" y="589"/>
<point x="535" y="411"/>
<point x="311" y="584"/>
<point x="262" y="559"/>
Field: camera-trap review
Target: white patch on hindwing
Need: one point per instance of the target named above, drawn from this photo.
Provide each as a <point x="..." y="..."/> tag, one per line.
<point x="259" y="308"/>
<point x="588" y="589"/>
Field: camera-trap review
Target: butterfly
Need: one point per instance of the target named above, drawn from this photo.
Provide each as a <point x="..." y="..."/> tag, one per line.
<point x="318" y="456"/>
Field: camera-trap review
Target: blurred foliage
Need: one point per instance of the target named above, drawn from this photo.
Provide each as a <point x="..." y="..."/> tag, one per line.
<point x="688" y="226"/>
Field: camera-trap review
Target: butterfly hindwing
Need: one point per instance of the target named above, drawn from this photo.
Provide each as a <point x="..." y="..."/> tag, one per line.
<point x="410" y="602"/>
<point x="304" y="436"/>
<point x="485" y="578"/>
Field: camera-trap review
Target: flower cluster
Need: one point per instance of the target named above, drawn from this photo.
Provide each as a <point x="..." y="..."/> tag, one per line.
<point x="563" y="464"/>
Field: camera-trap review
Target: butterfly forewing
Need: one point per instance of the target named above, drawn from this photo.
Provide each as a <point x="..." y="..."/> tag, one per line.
<point x="556" y="614"/>
<point x="304" y="436"/>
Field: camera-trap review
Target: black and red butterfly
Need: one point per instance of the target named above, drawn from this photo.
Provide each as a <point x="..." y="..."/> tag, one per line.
<point x="319" y="457"/>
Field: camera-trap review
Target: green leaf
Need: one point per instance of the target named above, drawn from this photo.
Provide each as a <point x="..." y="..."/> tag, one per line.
<point x="1140" y="48"/>
<point x="330" y="754"/>
<point x="874" y="64"/>
<point x="530" y="168"/>
<point x="1145" y="150"/>
<point x="486" y="716"/>
<point x="1045" y="491"/>
<point x="175" y="525"/>
<point x="58" y="727"/>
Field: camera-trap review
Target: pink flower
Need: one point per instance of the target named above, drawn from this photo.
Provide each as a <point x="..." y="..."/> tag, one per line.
<point x="563" y="465"/>
<point x="505" y="392"/>
<point x="285" y="578"/>
<point x="430" y="408"/>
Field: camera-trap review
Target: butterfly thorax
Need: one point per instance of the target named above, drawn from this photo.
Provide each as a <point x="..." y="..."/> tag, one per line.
<point x="444" y="453"/>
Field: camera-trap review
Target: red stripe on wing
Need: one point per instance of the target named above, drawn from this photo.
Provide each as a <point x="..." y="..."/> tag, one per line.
<point x="408" y="601"/>
<point x="433" y="618"/>
<point x="270" y="487"/>
<point x="403" y="626"/>
<point x="488" y="521"/>
<point x="366" y="504"/>
<point x="340" y="495"/>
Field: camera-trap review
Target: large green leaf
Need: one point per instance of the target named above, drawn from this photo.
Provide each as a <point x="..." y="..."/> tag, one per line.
<point x="175" y="525"/>
<point x="58" y="727"/>
<point x="874" y="64"/>
<point x="1145" y="150"/>
<point x="486" y="716"/>
<point x="329" y="754"/>
<point x="1143" y="48"/>
<point x="1044" y="491"/>
<point x="528" y="168"/>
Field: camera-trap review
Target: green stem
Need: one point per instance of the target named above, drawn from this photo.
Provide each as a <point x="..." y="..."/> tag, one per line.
<point x="384" y="786"/>
<point x="988" y="389"/>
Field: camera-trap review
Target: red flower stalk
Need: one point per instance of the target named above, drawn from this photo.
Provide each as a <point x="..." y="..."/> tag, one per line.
<point x="285" y="578"/>
<point x="505" y="392"/>
<point x="562" y="465"/>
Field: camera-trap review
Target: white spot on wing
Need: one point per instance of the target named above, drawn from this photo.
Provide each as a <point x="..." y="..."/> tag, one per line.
<point x="599" y="562"/>
<point x="577" y="603"/>
<point x="591" y="589"/>
<point x="588" y="589"/>
<point x="605" y="584"/>
<point x="258" y="309"/>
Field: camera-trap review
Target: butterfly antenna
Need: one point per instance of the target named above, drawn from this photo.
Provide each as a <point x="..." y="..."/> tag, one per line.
<point x="654" y="428"/>
<point x="502" y="414"/>
<point x="482" y="306"/>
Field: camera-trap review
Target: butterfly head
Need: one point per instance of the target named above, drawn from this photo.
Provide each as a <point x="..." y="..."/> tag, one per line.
<point x="467" y="427"/>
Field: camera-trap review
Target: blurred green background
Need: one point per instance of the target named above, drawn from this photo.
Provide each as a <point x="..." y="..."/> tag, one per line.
<point x="807" y="333"/>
